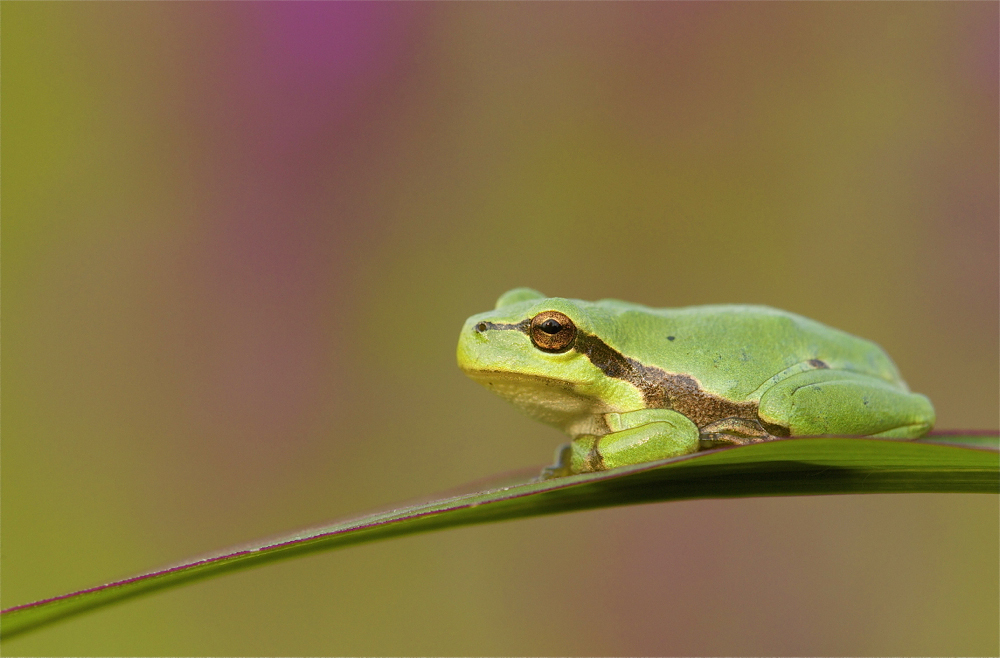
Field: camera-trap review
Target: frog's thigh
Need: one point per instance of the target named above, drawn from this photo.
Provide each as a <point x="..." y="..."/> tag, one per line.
<point x="636" y="437"/>
<point x="841" y="402"/>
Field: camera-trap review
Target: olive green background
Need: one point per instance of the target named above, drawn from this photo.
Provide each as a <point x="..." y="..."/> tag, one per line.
<point x="239" y="241"/>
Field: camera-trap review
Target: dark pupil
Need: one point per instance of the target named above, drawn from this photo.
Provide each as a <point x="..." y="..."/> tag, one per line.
<point x="550" y="326"/>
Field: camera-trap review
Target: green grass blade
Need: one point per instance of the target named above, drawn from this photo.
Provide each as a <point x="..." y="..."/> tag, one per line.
<point x="966" y="463"/>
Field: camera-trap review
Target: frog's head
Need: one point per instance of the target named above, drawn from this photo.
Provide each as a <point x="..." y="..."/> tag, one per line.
<point x="544" y="354"/>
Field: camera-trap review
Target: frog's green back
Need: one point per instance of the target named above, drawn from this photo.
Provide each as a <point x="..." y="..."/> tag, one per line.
<point x="733" y="350"/>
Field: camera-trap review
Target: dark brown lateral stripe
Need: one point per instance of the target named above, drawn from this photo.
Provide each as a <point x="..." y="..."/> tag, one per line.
<point x="661" y="389"/>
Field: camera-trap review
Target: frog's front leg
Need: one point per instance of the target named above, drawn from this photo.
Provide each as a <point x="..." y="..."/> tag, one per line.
<point x="843" y="402"/>
<point x="635" y="437"/>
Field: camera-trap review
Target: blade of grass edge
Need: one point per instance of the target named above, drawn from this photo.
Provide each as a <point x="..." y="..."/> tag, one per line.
<point x="957" y="462"/>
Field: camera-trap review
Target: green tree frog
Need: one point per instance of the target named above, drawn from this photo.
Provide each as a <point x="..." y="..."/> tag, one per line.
<point x="632" y="384"/>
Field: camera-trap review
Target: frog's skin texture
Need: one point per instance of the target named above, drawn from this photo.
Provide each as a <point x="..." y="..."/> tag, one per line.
<point x="632" y="384"/>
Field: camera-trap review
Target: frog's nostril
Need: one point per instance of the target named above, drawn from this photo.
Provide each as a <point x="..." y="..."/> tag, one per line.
<point x="481" y="327"/>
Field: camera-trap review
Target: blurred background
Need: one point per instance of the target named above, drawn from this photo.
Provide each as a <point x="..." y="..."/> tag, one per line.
<point x="239" y="241"/>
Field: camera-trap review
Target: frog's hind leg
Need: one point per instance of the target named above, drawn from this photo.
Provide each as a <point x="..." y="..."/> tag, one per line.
<point x="849" y="403"/>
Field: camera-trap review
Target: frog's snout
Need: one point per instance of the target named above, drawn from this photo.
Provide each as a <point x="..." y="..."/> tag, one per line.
<point x="472" y="334"/>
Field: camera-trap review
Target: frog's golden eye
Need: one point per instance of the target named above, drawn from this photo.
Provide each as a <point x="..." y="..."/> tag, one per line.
<point x="551" y="331"/>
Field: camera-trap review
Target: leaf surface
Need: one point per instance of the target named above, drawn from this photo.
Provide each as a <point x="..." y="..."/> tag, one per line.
<point x="960" y="462"/>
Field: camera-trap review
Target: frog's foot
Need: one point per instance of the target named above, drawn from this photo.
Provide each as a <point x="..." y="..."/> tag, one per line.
<point x="562" y="465"/>
<point x="842" y="402"/>
<point x="636" y="437"/>
<point x="737" y="432"/>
